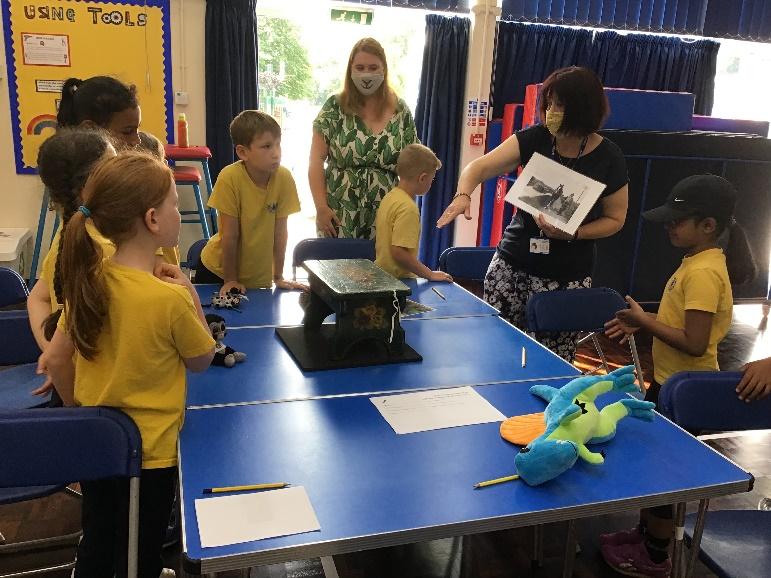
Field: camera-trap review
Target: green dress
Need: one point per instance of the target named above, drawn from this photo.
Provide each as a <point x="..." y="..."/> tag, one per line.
<point x="361" y="166"/>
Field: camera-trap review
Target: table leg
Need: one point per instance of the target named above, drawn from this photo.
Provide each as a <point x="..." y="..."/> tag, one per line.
<point x="698" y="530"/>
<point x="570" y="550"/>
<point x="677" y="549"/>
<point x="536" y="557"/>
<point x="328" y="565"/>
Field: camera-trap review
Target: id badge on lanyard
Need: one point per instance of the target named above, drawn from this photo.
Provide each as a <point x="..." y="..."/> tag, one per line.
<point x="539" y="245"/>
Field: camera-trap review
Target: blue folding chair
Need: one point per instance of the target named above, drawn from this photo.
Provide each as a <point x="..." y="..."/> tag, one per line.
<point x="17" y="347"/>
<point x="44" y="450"/>
<point x="323" y="248"/>
<point x="466" y="262"/>
<point x="13" y="289"/>
<point x="580" y="310"/>
<point x="194" y="257"/>
<point x="731" y="543"/>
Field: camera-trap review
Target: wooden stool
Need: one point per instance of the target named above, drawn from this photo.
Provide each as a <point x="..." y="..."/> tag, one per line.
<point x="366" y="302"/>
<point x="198" y="154"/>
<point x="191" y="176"/>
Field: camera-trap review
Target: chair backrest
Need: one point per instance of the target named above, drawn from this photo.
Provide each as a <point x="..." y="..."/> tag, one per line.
<point x="17" y="342"/>
<point x="707" y="400"/>
<point x="63" y="445"/>
<point x="573" y="309"/>
<point x="332" y="248"/>
<point x="13" y="289"/>
<point x="194" y="253"/>
<point x="466" y="262"/>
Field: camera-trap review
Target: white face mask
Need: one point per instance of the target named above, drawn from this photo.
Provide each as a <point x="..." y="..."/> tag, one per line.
<point x="367" y="82"/>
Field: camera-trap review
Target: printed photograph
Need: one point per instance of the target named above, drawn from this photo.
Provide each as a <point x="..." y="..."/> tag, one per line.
<point x="563" y="196"/>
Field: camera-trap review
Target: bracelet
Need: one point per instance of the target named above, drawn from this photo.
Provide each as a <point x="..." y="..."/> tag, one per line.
<point x="461" y="195"/>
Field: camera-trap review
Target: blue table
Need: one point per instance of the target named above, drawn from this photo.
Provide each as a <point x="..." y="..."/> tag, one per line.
<point x="456" y="351"/>
<point x="371" y="488"/>
<point x="273" y="307"/>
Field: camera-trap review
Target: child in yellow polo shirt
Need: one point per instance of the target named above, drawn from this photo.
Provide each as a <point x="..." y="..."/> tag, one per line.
<point x="694" y="316"/>
<point x="64" y="163"/>
<point x="398" y="220"/>
<point x="133" y="327"/>
<point x="254" y="196"/>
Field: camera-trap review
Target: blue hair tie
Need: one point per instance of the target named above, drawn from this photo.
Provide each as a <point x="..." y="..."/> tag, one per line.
<point x="83" y="209"/>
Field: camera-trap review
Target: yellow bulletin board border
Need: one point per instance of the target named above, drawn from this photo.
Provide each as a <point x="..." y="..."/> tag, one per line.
<point x="14" y="62"/>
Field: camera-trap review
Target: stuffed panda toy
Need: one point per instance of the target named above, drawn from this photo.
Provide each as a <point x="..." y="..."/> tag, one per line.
<point x="223" y="355"/>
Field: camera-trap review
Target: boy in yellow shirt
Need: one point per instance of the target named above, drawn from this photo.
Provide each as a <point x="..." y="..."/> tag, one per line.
<point x="254" y="196"/>
<point x="398" y="220"/>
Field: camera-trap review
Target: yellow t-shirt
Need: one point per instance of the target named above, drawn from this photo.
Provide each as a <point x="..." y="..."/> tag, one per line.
<point x="49" y="263"/>
<point x="397" y="223"/>
<point x="700" y="283"/>
<point x="256" y="209"/>
<point x="151" y="325"/>
<point x="170" y="255"/>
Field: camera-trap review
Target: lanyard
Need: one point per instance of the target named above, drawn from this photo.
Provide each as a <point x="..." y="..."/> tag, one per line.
<point x="568" y="162"/>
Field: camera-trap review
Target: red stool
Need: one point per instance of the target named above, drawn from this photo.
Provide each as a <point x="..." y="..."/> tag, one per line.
<point x="197" y="154"/>
<point x="191" y="176"/>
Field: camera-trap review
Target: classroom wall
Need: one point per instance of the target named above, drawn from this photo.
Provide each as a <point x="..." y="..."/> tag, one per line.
<point x="21" y="195"/>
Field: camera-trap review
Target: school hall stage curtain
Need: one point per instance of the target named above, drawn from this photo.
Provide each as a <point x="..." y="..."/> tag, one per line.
<point x="231" y="72"/>
<point x="528" y="53"/>
<point x="650" y="62"/>
<point x="438" y="118"/>
<point x="673" y="16"/>
<point x="742" y="19"/>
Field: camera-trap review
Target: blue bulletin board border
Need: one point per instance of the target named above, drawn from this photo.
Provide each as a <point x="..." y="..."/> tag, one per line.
<point x="13" y="95"/>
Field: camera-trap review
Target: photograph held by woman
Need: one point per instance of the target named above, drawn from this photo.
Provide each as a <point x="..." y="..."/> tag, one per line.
<point x="533" y="255"/>
<point x="358" y="134"/>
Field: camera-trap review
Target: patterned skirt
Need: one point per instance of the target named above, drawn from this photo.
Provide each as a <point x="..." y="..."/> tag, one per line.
<point x="508" y="289"/>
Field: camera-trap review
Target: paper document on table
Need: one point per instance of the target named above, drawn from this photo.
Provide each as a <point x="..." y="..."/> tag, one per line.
<point x="254" y="516"/>
<point x="435" y="409"/>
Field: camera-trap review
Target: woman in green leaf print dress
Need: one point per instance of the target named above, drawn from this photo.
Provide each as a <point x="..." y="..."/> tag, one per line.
<point x="359" y="134"/>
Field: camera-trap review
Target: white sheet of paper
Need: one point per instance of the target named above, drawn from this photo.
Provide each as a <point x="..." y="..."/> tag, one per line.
<point x="254" y="516"/>
<point x="435" y="409"/>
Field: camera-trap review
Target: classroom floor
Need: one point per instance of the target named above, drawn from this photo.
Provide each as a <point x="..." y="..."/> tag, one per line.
<point x="495" y="555"/>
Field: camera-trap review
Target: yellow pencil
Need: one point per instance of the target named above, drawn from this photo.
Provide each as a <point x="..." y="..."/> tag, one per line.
<point x="248" y="488"/>
<point x="496" y="481"/>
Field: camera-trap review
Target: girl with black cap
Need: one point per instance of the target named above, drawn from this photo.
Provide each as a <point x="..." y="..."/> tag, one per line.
<point x="693" y="317"/>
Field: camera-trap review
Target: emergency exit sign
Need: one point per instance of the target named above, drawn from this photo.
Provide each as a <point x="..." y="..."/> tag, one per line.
<point x="352" y="16"/>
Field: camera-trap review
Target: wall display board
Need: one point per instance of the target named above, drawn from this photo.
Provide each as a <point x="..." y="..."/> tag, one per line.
<point x="49" y="41"/>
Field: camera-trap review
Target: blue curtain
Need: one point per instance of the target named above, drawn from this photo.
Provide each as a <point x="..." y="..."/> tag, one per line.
<point x="437" y="5"/>
<point x="231" y="72"/>
<point x="650" y="62"/>
<point x="743" y="19"/>
<point x="528" y="53"/>
<point x="678" y="16"/>
<point x="438" y="117"/>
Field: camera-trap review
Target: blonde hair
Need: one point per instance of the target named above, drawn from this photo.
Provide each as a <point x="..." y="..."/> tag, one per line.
<point x="350" y="99"/>
<point x="252" y="123"/>
<point x="416" y="159"/>
<point x="118" y="193"/>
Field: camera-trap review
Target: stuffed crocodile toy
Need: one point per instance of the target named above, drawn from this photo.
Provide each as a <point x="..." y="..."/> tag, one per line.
<point x="572" y="420"/>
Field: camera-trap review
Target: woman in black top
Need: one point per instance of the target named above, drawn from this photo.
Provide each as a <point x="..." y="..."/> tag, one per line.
<point x="573" y="107"/>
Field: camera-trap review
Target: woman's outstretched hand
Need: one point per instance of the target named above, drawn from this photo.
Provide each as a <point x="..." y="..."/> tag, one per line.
<point x="461" y="205"/>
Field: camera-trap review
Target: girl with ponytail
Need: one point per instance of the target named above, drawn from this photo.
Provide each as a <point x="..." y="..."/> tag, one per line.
<point x="64" y="162"/>
<point x="693" y="317"/>
<point x="101" y="101"/>
<point x="129" y="330"/>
